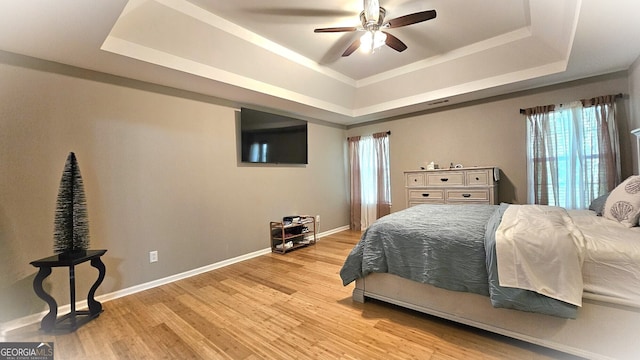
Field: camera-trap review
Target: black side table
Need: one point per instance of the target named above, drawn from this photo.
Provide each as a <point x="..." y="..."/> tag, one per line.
<point x="48" y="323"/>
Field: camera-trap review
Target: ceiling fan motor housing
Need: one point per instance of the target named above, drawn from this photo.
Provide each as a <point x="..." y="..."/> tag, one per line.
<point x="372" y="25"/>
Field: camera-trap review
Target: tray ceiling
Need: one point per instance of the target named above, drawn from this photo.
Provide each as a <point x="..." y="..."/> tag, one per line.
<point x="265" y="54"/>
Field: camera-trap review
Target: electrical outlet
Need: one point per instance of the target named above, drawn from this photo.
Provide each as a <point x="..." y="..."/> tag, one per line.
<point x="317" y="218"/>
<point x="153" y="256"/>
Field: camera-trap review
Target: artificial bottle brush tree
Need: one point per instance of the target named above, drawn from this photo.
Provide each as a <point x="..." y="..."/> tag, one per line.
<point x="71" y="233"/>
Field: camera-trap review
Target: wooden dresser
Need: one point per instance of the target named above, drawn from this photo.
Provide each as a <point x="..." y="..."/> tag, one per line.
<point x="471" y="185"/>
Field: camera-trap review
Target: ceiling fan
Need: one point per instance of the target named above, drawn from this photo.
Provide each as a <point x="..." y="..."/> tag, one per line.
<point x="372" y="19"/>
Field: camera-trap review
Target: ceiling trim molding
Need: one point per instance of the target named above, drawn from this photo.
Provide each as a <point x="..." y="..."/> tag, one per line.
<point x="465" y="88"/>
<point x="161" y="58"/>
<point x="218" y="22"/>
<point x="471" y="49"/>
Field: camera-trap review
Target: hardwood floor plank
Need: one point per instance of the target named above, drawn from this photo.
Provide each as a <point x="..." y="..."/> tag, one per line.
<point x="267" y="281"/>
<point x="196" y="314"/>
<point x="290" y="306"/>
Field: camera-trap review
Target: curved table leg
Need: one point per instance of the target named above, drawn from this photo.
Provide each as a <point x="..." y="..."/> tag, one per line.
<point x="95" y="307"/>
<point x="49" y="320"/>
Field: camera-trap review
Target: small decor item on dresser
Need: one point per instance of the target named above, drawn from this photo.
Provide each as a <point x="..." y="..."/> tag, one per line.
<point x="430" y="166"/>
<point x="71" y="233"/>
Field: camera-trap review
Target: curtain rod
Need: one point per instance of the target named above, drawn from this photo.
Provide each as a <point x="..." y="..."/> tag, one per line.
<point x="388" y="133"/>
<point x="617" y="96"/>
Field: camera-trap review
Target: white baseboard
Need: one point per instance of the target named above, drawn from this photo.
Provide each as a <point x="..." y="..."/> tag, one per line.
<point x="34" y="318"/>
<point x="332" y="231"/>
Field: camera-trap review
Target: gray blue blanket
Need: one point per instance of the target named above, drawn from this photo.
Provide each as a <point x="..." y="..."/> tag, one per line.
<point x="448" y="246"/>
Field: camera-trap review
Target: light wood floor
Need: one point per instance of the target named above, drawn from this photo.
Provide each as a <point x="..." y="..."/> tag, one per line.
<point x="289" y="306"/>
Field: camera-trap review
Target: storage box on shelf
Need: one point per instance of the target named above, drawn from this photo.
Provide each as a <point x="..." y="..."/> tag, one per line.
<point x="287" y="236"/>
<point x="472" y="185"/>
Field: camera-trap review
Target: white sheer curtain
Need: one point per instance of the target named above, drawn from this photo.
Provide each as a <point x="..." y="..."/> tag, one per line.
<point x="370" y="185"/>
<point x="573" y="152"/>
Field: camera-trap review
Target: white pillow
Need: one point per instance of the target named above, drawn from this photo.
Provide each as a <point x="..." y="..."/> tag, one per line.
<point x="623" y="204"/>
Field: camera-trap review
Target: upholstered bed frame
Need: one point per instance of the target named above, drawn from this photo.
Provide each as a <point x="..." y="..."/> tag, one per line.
<point x="602" y="330"/>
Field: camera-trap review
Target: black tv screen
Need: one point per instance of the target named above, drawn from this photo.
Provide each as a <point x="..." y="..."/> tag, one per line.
<point x="273" y="139"/>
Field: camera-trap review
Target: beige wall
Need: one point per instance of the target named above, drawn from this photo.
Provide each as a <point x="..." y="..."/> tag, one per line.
<point x="490" y="132"/>
<point x="161" y="172"/>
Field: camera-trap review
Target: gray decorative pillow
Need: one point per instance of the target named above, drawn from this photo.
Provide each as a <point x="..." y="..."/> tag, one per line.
<point x="597" y="204"/>
<point x="623" y="204"/>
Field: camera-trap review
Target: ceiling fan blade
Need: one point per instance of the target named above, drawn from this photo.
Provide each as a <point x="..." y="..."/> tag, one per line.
<point x="335" y="29"/>
<point x="412" y="18"/>
<point x="394" y="43"/>
<point x="353" y="47"/>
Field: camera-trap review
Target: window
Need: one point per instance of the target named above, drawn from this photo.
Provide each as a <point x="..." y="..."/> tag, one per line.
<point x="373" y="155"/>
<point x="572" y="154"/>
<point x="370" y="186"/>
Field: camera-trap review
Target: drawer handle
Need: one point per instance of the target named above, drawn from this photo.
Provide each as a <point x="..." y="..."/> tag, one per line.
<point x="477" y="178"/>
<point x="425" y="195"/>
<point x="444" y="179"/>
<point x="466" y="195"/>
<point x="415" y="180"/>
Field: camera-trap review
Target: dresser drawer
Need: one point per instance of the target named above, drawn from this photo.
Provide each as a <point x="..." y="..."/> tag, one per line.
<point x="414" y="179"/>
<point x="473" y="196"/>
<point x="448" y="178"/>
<point x="476" y="178"/>
<point x="422" y="202"/>
<point x="473" y="185"/>
<point x="426" y="195"/>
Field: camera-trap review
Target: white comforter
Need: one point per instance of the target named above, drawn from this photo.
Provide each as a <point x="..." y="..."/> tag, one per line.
<point x="539" y="248"/>
<point x="611" y="269"/>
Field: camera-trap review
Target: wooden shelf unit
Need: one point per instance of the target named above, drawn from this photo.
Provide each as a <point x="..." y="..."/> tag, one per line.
<point x="281" y="234"/>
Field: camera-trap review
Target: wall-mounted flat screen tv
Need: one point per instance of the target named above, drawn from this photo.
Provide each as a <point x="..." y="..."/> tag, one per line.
<point x="272" y="139"/>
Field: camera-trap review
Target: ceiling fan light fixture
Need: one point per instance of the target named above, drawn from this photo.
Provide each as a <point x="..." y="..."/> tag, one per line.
<point x="371" y="40"/>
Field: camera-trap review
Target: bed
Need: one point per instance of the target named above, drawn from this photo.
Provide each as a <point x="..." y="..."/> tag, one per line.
<point x="451" y="272"/>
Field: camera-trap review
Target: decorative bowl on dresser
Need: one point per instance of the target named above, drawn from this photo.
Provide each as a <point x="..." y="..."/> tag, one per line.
<point x="470" y="185"/>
